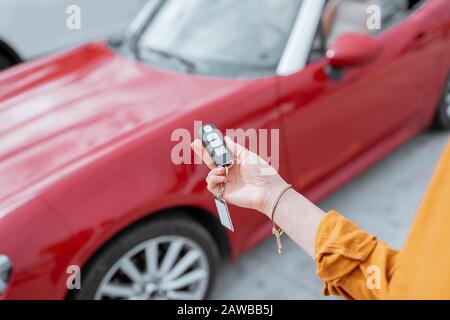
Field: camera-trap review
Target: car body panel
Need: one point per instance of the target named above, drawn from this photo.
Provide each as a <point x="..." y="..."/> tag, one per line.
<point x="378" y="99"/>
<point x="116" y="151"/>
<point x="40" y="246"/>
<point x="90" y="107"/>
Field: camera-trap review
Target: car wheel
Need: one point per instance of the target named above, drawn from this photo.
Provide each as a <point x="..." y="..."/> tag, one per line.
<point x="171" y="259"/>
<point x="442" y="120"/>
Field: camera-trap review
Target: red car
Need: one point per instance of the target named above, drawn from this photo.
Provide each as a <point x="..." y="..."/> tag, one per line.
<point x="86" y="175"/>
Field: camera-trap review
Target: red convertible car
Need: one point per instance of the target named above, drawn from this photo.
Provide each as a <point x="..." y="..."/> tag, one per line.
<point x="86" y="177"/>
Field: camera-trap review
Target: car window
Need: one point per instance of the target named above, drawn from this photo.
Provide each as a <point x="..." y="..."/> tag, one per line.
<point x="342" y="16"/>
<point x="224" y="37"/>
<point x="353" y="15"/>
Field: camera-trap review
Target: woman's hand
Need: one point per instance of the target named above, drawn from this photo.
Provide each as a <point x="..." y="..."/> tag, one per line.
<point x="252" y="183"/>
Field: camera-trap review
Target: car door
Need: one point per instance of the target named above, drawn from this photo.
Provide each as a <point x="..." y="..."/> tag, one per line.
<point x="330" y="123"/>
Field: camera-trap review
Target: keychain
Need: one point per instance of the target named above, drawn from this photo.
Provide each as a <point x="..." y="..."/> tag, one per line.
<point x="214" y="143"/>
<point x="222" y="207"/>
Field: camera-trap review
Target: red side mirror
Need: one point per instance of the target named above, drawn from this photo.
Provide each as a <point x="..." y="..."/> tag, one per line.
<point x="353" y="50"/>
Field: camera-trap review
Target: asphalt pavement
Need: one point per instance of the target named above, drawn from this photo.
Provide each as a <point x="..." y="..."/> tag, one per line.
<point x="383" y="201"/>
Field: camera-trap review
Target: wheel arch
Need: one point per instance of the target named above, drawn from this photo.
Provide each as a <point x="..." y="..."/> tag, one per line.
<point x="199" y="215"/>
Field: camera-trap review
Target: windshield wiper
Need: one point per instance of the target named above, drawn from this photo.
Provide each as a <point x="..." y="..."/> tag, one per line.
<point x="190" y="66"/>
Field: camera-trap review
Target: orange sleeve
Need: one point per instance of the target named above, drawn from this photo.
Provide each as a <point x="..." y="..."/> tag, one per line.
<point x="350" y="262"/>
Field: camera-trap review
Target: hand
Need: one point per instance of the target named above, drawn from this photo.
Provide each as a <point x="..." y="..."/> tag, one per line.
<point x="252" y="183"/>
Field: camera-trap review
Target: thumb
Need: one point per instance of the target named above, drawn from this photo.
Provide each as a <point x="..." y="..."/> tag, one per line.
<point x="236" y="149"/>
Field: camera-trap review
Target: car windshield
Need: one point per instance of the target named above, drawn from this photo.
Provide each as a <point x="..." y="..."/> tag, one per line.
<point x="236" y="38"/>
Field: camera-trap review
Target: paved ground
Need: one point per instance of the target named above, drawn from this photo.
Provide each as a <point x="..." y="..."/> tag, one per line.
<point x="383" y="201"/>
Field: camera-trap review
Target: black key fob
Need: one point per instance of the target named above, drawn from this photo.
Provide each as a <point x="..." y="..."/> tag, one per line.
<point x="215" y="145"/>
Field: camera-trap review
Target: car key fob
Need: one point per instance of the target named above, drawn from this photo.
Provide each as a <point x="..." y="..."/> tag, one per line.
<point x="215" y="145"/>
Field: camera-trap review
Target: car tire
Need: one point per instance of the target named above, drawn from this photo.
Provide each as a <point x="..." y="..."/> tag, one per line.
<point x="442" y="118"/>
<point x="178" y="247"/>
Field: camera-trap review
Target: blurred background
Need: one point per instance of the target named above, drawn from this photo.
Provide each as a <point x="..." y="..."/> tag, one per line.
<point x="29" y="29"/>
<point x="383" y="200"/>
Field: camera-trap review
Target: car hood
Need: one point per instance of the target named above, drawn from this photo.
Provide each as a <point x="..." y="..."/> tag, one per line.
<point x="58" y="110"/>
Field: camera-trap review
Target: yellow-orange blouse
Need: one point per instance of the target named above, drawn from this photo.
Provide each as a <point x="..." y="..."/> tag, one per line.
<point x="356" y="265"/>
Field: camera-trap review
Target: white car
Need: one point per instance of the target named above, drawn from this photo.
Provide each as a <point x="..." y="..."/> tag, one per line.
<point x="30" y="28"/>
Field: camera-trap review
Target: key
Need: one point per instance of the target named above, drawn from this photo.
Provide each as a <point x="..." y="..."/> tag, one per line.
<point x="215" y="145"/>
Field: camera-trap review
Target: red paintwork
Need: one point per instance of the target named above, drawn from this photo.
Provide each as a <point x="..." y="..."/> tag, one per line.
<point x="85" y="140"/>
<point x="353" y="49"/>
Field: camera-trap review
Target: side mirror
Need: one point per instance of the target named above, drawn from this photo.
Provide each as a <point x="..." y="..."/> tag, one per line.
<point x="353" y="50"/>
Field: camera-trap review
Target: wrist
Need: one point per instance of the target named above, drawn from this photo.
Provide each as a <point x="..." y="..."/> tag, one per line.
<point x="271" y="196"/>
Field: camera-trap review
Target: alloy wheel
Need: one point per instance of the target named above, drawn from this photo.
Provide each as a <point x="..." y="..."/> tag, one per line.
<point x="166" y="267"/>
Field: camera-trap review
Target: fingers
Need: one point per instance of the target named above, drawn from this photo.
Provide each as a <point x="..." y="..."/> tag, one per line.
<point x="215" y="182"/>
<point x="200" y="151"/>
<point x="219" y="171"/>
<point x="236" y="149"/>
<point x="215" y="179"/>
